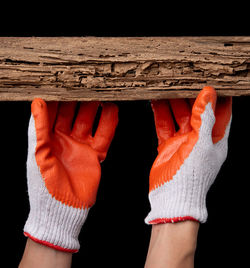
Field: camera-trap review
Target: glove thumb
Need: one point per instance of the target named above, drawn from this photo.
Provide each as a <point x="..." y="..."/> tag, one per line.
<point x="203" y="112"/>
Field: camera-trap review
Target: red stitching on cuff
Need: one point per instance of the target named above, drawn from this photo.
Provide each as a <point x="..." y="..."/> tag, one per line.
<point x="172" y="220"/>
<point x="45" y="243"/>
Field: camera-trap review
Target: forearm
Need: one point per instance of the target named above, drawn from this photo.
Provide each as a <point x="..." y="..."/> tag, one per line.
<point x="172" y="245"/>
<point x="39" y="256"/>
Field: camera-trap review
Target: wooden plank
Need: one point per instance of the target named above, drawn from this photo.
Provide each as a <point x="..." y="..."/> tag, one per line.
<point x="122" y="68"/>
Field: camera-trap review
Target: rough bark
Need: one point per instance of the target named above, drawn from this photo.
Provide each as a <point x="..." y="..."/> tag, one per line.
<point x="127" y="68"/>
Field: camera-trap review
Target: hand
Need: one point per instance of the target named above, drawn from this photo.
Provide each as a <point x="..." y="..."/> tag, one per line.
<point x="188" y="160"/>
<point x="63" y="168"/>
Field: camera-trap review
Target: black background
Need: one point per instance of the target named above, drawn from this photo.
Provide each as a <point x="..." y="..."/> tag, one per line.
<point x="114" y="234"/>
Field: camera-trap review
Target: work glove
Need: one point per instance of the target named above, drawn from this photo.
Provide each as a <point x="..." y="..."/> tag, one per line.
<point x="63" y="168"/>
<point x="189" y="159"/>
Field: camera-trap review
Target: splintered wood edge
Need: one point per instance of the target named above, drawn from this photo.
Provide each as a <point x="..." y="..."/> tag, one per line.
<point x="127" y="68"/>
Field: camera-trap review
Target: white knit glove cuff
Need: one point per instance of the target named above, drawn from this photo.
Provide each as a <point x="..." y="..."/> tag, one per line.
<point x="54" y="224"/>
<point x="174" y="202"/>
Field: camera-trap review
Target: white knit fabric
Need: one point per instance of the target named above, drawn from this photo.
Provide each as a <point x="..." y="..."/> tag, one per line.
<point x="49" y="220"/>
<point x="185" y="194"/>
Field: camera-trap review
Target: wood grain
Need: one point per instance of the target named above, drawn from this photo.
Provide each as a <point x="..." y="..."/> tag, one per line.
<point x="122" y="68"/>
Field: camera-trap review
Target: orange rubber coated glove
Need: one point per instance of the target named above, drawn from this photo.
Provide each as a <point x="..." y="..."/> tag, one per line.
<point x="63" y="168"/>
<point x="189" y="159"/>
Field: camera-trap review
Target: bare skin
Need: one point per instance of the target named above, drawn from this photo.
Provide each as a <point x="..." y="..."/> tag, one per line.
<point x="172" y="245"/>
<point x="39" y="256"/>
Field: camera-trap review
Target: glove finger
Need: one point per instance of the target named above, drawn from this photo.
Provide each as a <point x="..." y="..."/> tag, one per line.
<point x="182" y="114"/>
<point x="65" y="115"/>
<point x="106" y="129"/>
<point x="40" y="114"/>
<point x="52" y="107"/>
<point x="223" y="113"/>
<point x="203" y="111"/>
<point x="164" y="123"/>
<point x="191" y="102"/>
<point x="84" y="121"/>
